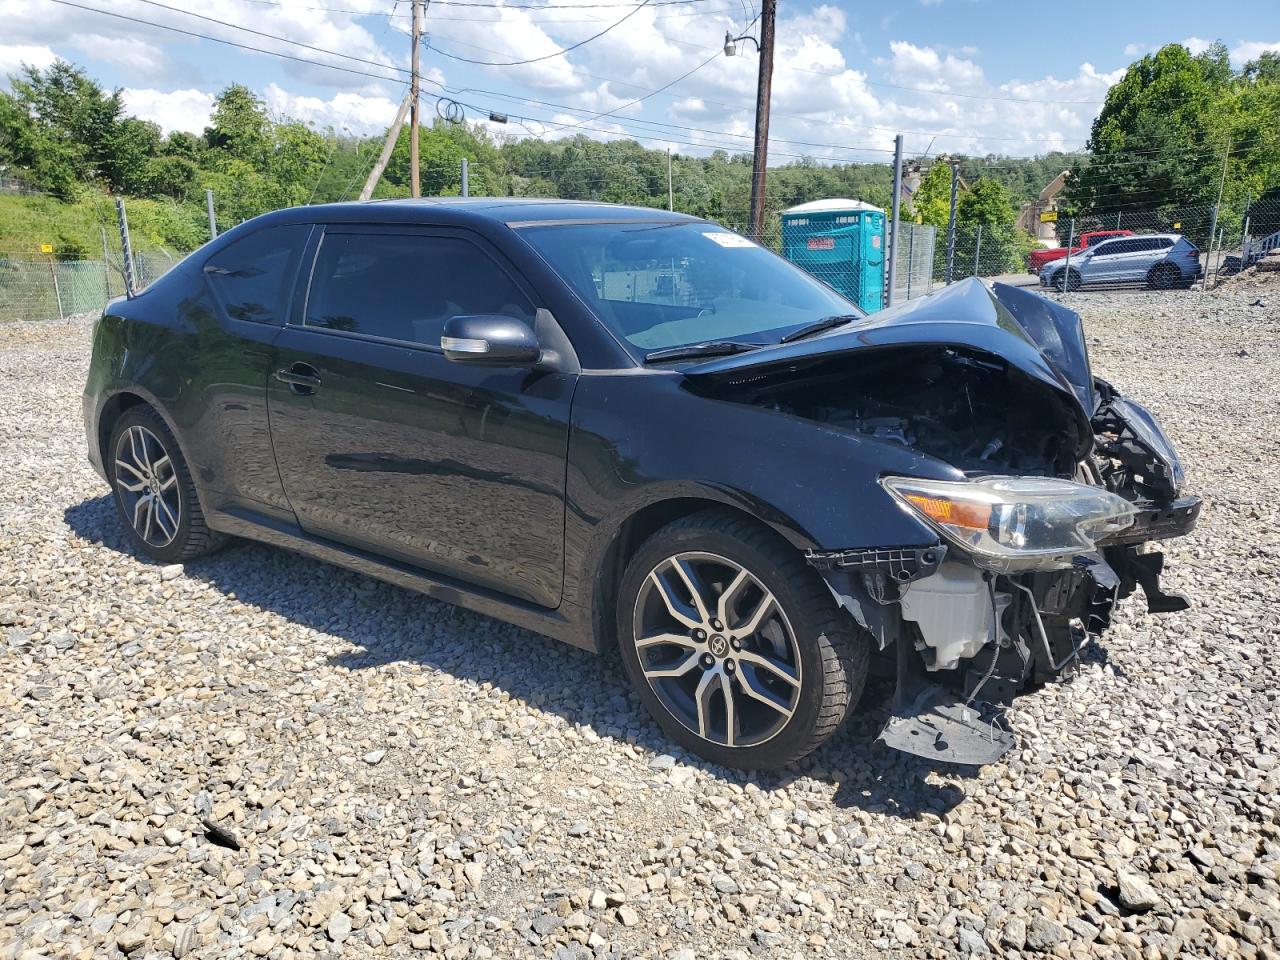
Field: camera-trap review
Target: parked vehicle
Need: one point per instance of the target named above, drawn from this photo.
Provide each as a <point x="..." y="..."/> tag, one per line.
<point x="1037" y="259"/>
<point x="633" y="429"/>
<point x="1163" y="261"/>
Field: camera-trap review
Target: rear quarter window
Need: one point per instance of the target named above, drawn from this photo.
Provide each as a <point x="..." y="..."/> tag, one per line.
<point x="252" y="277"/>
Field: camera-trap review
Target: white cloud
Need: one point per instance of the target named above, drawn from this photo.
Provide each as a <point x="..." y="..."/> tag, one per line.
<point x="1197" y="44"/>
<point x="187" y="110"/>
<point x="14" y="56"/>
<point x="345" y="111"/>
<point x="1247" y="50"/>
<point x="1134" y="49"/>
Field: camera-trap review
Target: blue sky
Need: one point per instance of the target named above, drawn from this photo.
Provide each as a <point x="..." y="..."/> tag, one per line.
<point x="970" y="76"/>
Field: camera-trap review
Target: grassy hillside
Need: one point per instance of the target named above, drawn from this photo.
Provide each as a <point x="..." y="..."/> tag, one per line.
<point x="74" y="228"/>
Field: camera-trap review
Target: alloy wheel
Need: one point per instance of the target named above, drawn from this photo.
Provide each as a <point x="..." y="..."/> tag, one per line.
<point x="147" y="484"/>
<point x="716" y="648"/>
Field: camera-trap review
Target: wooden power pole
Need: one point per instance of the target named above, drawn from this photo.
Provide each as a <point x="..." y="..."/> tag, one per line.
<point x="415" y="184"/>
<point x="393" y="135"/>
<point x="768" y="10"/>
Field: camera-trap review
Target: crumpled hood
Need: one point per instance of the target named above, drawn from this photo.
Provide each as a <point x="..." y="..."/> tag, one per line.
<point x="1037" y="336"/>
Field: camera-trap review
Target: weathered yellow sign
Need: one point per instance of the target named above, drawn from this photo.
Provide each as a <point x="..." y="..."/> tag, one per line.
<point x="46" y="248"/>
<point x="1049" y="216"/>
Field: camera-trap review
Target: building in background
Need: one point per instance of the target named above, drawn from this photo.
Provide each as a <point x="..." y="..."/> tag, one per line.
<point x="1031" y="219"/>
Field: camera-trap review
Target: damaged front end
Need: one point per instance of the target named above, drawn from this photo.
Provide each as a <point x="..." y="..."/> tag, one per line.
<point x="1059" y="485"/>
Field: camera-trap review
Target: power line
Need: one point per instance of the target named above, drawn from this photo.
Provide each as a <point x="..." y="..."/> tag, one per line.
<point x="505" y="6"/>
<point x="271" y="36"/>
<point x="549" y="56"/>
<point x="665" y="86"/>
<point x="233" y="43"/>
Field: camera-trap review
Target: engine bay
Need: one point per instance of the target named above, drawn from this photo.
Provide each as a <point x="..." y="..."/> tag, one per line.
<point x="970" y="410"/>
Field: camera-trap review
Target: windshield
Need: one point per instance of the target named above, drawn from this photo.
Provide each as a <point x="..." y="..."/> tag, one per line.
<point x="671" y="284"/>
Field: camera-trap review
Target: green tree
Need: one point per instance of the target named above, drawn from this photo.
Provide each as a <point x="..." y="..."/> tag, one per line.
<point x="932" y="200"/>
<point x="1156" y="136"/>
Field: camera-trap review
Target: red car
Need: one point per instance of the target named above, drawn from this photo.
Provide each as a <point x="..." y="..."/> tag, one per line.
<point x="1038" y="258"/>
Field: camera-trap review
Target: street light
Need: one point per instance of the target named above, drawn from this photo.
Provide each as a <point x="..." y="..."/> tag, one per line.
<point x="764" y="83"/>
<point x="730" y="43"/>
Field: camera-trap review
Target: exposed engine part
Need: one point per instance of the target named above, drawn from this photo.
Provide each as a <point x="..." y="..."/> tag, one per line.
<point x="970" y="410"/>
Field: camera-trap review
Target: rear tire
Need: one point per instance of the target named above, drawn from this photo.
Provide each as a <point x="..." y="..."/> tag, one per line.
<point x="756" y="665"/>
<point x="1164" y="276"/>
<point x="154" y="493"/>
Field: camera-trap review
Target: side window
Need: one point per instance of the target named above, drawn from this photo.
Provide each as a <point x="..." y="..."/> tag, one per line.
<point x="1107" y="249"/>
<point x="252" y="277"/>
<point x="1164" y="243"/>
<point x="404" y="287"/>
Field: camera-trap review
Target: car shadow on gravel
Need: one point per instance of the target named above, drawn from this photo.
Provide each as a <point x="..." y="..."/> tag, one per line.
<point x="388" y="625"/>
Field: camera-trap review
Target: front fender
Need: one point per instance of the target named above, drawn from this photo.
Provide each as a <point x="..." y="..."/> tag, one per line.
<point x="641" y="439"/>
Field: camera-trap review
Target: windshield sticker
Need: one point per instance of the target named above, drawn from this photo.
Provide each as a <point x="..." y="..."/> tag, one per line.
<point x="729" y="239"/>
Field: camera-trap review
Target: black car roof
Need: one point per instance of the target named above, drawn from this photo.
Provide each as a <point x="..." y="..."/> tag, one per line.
<point x="513" y="211"/>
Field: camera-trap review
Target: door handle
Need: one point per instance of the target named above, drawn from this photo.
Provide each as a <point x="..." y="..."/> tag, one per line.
<point x="302" y="378"/>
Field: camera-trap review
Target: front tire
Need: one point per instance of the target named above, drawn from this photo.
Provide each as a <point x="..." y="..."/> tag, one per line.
<point x="1066" y="281"/>
<point x="735" y="645"/>
<point x="154" y="493"/>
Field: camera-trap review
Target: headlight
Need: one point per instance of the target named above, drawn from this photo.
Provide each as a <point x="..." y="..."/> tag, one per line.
<point x="1015" y="523"/>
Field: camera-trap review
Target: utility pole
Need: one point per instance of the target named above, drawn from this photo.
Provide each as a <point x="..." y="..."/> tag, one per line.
<point x="951" y="222"/>
<point x="213" y="220"/>
<point x="768" y="12"/>
<point x="388" y="145"/>
<point x="670" y="195"/>
<point x="1213" y="220"/>
<point x="892" y="252"/>
<point x="415" y="185"/>
<point x="466" y="179"/>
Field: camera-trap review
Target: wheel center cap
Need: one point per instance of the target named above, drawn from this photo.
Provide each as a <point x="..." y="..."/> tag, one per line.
<point x="718" y="645"/>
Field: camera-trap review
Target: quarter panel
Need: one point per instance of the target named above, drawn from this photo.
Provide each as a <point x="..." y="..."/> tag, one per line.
<point x="206" y="375"/>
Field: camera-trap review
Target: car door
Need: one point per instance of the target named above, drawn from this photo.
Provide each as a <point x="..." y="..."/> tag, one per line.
<point x="247" y="284"/>
<point x="1104" y="262"/>
<point x="387" y="446"/>
<point x="1132" y="265"/>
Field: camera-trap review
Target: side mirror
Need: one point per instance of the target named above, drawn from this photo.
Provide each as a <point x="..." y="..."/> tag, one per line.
<point x="491" y="340"/>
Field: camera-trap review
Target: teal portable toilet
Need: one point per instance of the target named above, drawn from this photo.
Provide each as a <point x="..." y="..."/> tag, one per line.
<point x="841" y="242"/>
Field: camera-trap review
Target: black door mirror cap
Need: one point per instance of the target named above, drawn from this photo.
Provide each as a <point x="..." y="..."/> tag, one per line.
<point x="490" y="339"/>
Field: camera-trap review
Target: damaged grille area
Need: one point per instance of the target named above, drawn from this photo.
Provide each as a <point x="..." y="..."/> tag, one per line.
<point x="899" y="564"/>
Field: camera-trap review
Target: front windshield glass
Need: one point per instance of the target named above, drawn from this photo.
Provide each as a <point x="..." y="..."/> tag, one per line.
<point x="671" y="284"/>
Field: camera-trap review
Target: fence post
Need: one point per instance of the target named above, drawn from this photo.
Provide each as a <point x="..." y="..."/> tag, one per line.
<point x="951" y="220"/>
<point x="466" y="181"/>
<point x="1118" y="220"/>
<point x="1208" y="257"/>
<point x="911" y="257"/>
<point x="977" y="250"/>
<point x="213" y="220"/>
<point x="57" y="292"/>
<point x="1066" y="270"/>
<point x="125" y="246"/>
<point x="893" y="223"/>
<point x="106" y="268"/>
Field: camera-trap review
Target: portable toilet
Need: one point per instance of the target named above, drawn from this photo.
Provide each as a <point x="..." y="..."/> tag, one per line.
<point x="841" y="242"/>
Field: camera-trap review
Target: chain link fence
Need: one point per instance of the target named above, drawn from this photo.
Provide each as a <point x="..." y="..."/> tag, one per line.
<point x="913" y="261"/>
<point x="56" y="289"/>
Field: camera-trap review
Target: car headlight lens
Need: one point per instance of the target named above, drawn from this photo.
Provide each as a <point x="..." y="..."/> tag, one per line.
<point x="1015" y="523"/>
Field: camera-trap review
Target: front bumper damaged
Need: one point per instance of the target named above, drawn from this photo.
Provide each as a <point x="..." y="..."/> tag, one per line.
<point x="966" y="641"/>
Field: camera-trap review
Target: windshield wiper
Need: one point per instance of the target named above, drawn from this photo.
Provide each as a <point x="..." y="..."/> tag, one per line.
<point x="826" y="323"/>
<point x="707" y="348"/>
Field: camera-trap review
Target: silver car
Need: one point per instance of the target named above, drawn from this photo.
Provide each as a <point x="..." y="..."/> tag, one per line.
<point x="1162" y="261"/>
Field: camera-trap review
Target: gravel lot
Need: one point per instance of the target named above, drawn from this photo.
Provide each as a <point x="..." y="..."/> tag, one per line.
<point x="401" y="776"/>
